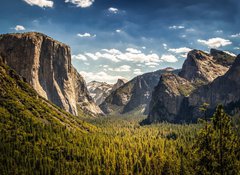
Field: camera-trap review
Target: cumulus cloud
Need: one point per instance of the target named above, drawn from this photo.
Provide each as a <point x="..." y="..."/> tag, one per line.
<point x="79" y="57"/>
<point x="176" y="27"/>
<point x="118" y="31"/>
<point x="100" y="76"/>
<point x="81" y="3"/>
<point x="124" y="68"/>
<point x="215" y="42"/>
<point x="134" y="51"/>
<point x="19" y="27"/>
<point x="190" y="30"/>
<point x="165" y="45"/>
<point x="180" y="50"/>
<point x="235" y="35"/>
<point x="137" y="72"/>
<point x="40" y="3"/>
<point x="151" y="64"/>
<point x="113" y="10"/>
<point x="130" y="54"/>
<point x="169" y="58"/>
<point x="86" y="35"/>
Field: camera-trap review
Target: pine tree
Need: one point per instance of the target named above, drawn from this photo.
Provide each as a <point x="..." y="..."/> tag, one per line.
<point x="216" y="146"/>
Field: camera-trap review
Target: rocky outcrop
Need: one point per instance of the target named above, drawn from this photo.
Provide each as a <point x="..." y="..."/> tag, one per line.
<point x="177" y="98"/>
<point x="120" y="82"/>
<point x="224" y="90"/>
<point x="133" y="95"/>
<point x="99" y="91"/>
<point x="167" y="98"/>
<point x="222" y="57"/>
<point x="46" y="65"/>
<point x="201" y="68"/>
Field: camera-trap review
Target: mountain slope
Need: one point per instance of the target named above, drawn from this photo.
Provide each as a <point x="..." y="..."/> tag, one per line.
<point x="167" y="98"/>
<point x="46" y="65"/>
<point x="134" y="95"/>
<point x="224" y="90"/>
<point x="199" y="69"/>
<point x="100" y="90"/>
<point x="34" y="133"/>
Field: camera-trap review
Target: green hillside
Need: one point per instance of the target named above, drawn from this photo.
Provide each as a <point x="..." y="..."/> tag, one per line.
<point x="39" y="138"/>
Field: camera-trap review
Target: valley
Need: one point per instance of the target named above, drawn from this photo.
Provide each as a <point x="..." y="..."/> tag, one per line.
<point x="164" y="122"/>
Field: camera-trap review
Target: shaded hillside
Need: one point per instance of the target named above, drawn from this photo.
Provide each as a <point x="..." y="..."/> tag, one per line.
<point x="199" y="69"/>
<point x="134" y="94"/>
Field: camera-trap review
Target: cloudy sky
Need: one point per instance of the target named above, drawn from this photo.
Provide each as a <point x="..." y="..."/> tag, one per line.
<point x="125" y="38"/>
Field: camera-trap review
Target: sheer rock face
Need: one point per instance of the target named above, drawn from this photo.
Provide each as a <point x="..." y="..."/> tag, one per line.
<point x="224" y="90"/>
<point x="201" y="68"/>
<point x="167" y="98"/>
<point x="46" y="65"/>
<point x="133" y="95"/>
<point x="120" y="82"/>
<point x="177" y="98"/>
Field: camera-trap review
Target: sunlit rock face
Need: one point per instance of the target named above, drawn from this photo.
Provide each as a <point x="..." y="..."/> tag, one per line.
<point x="46" y="65"/>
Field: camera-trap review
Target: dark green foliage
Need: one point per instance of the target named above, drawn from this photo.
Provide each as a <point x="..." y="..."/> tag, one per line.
<point x="217" y="146"/>
<point x="39" y="138"/>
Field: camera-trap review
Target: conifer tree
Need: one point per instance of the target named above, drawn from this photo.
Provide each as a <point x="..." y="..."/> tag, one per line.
<point x="216" y="146"/>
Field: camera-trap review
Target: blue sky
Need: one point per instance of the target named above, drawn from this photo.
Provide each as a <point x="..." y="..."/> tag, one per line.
<point x="124" y="38"/>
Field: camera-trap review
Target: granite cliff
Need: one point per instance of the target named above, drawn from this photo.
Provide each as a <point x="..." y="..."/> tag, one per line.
<point x="135" y="94"/>
<point x="178" y="97"/>
<point x="46" y="65"/>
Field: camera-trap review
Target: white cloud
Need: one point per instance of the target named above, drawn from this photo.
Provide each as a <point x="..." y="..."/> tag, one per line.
<point x="237" y="48"/>
<point x="100" y="76"/>
<point x="169" y="58"/>
<point x="144" y="47"/>
<point x="190" y="30"/>
<point x="235" y="35"/>
<point x="219" y="31"/>
<point x="134" y="51"/>
<point x="137" y="72"/>
<point x="92" y="56"/>
<point x="176" y="27"/>
<point x="215" y="42"/>
<point x="124" y="68"/>
<point x="19" y="27"/>
<point x="107" y="56"/>
<point x="165" y="45"/>
<point x="180" y="50"/>
<point x="40" y="3"/>
<point x="130" y="55"/>
<point x="183" y="36"/>
<point x="86" y="35"/>
<point x="150" y="64"/>
<point x="79" y="57"/>
<point x="81" y="3"/>
<point x="118" y="31"/>
<point x="113" y="10"/>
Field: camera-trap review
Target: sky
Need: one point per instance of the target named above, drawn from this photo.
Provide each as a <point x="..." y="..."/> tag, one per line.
<point x="113" y="39"/>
